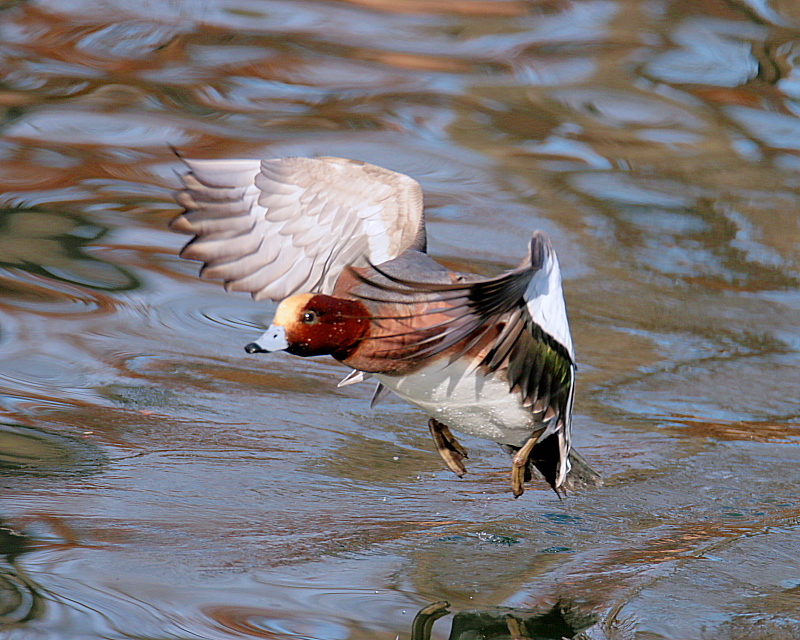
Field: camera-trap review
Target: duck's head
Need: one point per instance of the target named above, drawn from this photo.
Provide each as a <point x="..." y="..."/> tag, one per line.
<point x="314" y="324"/>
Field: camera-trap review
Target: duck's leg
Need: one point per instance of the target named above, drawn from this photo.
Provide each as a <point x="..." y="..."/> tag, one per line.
<point x="448" y="447"/>
<point x="520" y="473"/>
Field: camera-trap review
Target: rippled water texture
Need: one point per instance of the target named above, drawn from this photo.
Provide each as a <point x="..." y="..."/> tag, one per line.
<point x="157" y="482"/>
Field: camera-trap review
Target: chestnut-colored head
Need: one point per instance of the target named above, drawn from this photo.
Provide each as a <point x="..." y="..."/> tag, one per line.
<point x="316" y="324"/>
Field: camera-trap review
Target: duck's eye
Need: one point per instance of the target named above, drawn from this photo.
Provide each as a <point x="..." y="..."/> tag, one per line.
<point x="309" y="317"/>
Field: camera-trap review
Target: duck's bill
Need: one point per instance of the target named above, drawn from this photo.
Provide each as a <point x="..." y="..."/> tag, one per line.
<point x="273" y="339"/>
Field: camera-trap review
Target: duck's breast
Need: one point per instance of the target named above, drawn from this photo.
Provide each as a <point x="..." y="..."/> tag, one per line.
<point x="466" y="400"/>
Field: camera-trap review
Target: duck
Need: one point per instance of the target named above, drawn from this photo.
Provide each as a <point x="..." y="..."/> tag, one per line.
<point x="341" y="246"/>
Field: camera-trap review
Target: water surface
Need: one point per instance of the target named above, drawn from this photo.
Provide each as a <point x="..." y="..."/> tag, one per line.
<point x="159" y="483"/>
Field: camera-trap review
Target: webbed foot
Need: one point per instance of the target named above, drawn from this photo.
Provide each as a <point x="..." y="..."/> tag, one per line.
<point x="520" y="472"/>
<point x="448" y="447"/>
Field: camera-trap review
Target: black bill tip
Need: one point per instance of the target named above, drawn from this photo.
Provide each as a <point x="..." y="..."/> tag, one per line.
<point x="254" y="348"/>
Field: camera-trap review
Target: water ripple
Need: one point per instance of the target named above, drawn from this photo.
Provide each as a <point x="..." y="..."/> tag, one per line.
<point x="29" y="451"/>
<point x="20" y="598"/>
<point x="192" y="313"/>
<point x="62" y="126"/>
<point x="23" y="291"/>
<point x="707" y="55"/>
<point x="127" y="40"/>
<point x="276" y="624"/>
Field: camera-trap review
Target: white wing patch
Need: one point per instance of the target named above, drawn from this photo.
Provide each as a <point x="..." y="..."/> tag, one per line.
<point x="545" y="301"/>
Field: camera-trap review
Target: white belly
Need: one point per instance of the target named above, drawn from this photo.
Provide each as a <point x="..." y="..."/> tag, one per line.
<point x="478" y="405"/>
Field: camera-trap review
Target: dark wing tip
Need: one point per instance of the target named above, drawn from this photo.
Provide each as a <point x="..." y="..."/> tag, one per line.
<point x="540" y="249"/>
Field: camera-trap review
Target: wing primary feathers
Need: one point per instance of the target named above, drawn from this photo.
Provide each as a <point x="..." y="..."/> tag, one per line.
<point x="341" y="211"/>
<point x="472" y="306"/>
<point x="485" y="298"/>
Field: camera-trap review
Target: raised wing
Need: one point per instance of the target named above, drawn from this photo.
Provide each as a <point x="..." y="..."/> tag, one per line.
<point x="279" y="227"/>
